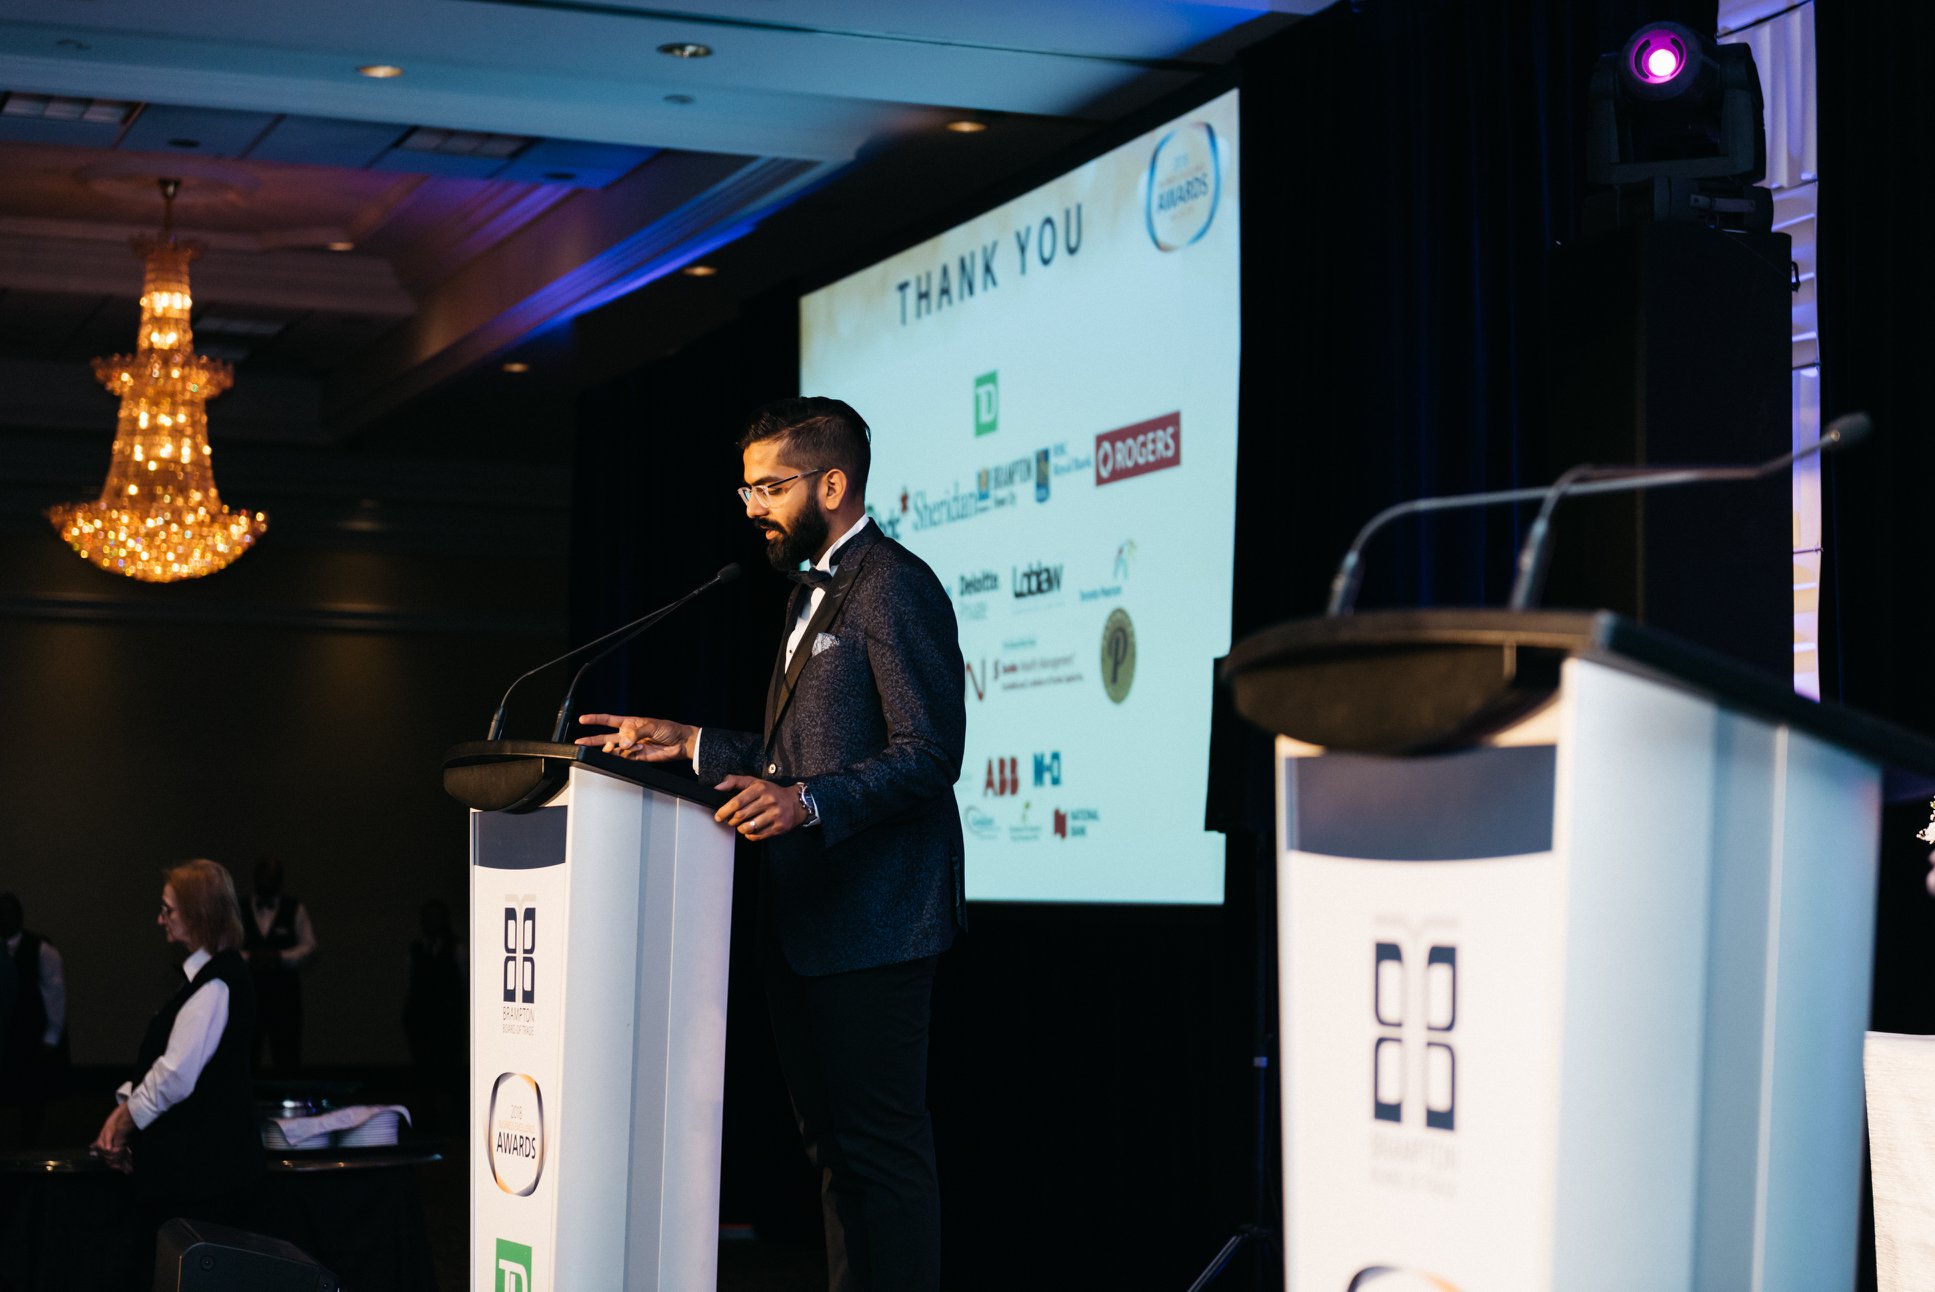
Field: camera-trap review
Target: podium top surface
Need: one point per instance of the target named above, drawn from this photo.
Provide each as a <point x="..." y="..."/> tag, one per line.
<point x="521" y="775"/>
<point x="1401" y="681"/>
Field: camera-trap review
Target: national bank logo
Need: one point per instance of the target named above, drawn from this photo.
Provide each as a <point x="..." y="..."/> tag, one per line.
<point x="1184" y="186"/>
<point x="515" y="1134"/>
<point x="513" y="1267"/>
<point x="987" y="403"/>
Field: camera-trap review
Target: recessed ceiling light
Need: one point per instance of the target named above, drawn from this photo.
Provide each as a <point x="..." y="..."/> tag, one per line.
<point x="698" y="271"/>
<point x="967" y="126"/>
<point x="686" y="49"/>
<point x="515" y="367"/>
<point x="380" y="71"/>
<point x="339" y="246"/>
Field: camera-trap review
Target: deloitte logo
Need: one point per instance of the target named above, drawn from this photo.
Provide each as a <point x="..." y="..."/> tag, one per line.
<point x="1183" y="187"/>
<point x="514" y="1134"/>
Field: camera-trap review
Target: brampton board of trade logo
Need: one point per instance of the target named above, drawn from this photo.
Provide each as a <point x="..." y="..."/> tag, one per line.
<point x="1183" y="186"/>
<point x="514" y="1134"/>
<point x="1118" y="655"/>
<point x="513" y="1267"/>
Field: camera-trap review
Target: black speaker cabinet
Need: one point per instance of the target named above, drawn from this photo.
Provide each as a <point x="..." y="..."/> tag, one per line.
<point x="194" y="1256"/>
<point x="1670" y="343"/>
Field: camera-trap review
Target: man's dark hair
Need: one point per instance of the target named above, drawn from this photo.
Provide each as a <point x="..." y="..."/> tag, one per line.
<point x="818" y="434"/>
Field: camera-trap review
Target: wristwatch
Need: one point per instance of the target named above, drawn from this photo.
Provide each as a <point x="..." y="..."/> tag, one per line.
<point x="806" y="805"/>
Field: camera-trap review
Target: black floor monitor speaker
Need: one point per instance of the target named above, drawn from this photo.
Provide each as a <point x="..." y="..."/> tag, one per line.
<point x="194" y="1256"/>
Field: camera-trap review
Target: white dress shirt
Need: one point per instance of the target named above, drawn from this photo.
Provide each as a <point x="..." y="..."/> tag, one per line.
<point x="808" y="609"/>
<point x="191" y="1044"/>
<point x="53" y="988"/>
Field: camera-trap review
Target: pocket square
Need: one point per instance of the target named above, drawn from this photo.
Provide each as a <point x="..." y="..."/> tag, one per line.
<point x="825" y="641"/>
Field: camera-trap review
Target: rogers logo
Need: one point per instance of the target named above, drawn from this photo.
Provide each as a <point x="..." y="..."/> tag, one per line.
<point x="1154" y="445"/>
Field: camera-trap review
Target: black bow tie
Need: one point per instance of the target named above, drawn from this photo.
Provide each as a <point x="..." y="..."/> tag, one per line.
<point x="814" y="578"/>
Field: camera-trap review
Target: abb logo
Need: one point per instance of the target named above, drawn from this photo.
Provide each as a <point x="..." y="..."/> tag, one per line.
<point x="1003" y="779"/>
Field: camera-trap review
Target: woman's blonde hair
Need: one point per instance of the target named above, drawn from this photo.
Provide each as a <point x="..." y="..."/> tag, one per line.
<point x="205" y="900"/>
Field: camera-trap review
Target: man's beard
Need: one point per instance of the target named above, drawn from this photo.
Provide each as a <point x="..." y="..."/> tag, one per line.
<point x="801" y="541"/>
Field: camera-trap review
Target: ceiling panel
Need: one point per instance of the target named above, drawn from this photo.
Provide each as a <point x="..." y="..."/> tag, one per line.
<point x="326" y="141"/>
<point x="197" y="132"/>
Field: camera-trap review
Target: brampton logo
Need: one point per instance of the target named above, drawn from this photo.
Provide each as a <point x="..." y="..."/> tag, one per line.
<point x="513" y="1267"/>
<point x="1154" y="445"/>
<point x="1396" y="1016"/>
<point x="987" y="403"/>
<point x="520" y="955"/>
<point x="515" y="1134"/>
<point x="1118" y="655"/>
<point x="1183" y="186"/>
<point x="1044" y="474"/>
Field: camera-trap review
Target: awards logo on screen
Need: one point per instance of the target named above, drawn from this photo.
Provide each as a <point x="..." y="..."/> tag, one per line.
<point x="515" y="1130"/>
<point x="1184" y="186"/>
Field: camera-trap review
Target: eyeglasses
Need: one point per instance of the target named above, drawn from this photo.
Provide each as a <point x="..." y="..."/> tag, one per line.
<point x="767" y="492"/>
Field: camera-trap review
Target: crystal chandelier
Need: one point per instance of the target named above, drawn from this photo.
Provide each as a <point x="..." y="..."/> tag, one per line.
<point x="159" y="518"/>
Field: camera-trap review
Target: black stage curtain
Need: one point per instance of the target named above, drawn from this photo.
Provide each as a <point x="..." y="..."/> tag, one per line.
<point x="1877" y="330"/>
<point x="1407" y="166"/>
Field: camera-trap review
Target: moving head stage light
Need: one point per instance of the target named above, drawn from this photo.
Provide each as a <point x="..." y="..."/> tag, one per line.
<point x="1674" y="132"/>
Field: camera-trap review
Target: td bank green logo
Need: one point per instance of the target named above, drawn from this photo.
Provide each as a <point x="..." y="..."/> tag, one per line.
<point x="987" y="403"/>
<point x="513" y="1267"/>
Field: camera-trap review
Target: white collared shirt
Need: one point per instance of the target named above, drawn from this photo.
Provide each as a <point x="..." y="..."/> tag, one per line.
<point x="813" y="600"/>
<point x="53" y="988"/>
<point x="807" y="611"/>
<point x="191" y="1044"/>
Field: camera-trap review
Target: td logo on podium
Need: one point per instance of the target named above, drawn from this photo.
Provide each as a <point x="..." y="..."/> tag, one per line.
<point x="513" y="1267"/>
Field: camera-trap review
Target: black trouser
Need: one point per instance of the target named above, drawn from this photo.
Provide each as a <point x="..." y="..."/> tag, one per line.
<point x="853" y="1048"/>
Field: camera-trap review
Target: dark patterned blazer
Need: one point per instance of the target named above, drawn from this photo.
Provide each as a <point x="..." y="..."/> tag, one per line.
<point x="872" y="717"/>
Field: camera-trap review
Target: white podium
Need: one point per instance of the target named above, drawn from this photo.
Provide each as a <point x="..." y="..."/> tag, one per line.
<point x="600" y="917"/>
<point x="1575" y="927"/>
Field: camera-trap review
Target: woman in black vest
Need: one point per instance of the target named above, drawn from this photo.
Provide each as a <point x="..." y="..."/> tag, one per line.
<point x="186" y="1126"/>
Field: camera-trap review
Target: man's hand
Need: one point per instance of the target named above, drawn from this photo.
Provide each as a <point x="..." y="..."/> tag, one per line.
<point x="761" y="809"/>
<point x="647" y="740"/>
<point x="112" y="1142"/>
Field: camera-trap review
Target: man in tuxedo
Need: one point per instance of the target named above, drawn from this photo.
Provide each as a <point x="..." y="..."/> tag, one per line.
<point x="849" y="787"/>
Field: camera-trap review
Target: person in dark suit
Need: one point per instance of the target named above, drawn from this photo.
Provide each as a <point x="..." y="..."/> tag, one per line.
<point x="849" y="788"/>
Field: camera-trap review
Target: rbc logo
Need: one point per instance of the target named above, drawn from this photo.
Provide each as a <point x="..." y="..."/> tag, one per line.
<point x="1004" y="778"/>
<point x="1048" y="769"/>
<point x="1398" y="1017"/>
<point x="520" y="955"/>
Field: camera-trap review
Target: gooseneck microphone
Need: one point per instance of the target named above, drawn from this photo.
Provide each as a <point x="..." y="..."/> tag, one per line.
<point x="611" y="641"/>
<point x="1583" y="480"/>
<point x="1534" y="556"/>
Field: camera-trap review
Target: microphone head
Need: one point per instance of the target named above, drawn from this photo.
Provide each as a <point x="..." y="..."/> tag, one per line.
<point x="727" y="573"/>
<point x="1848" y="428"/>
